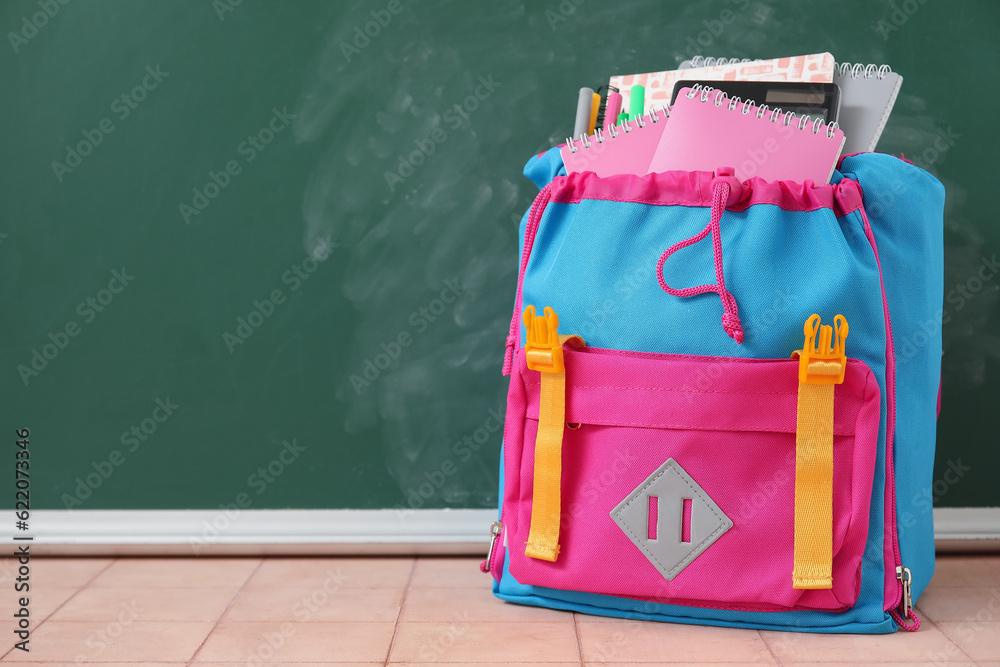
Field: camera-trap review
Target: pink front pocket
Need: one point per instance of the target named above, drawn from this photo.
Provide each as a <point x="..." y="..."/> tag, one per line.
<point x="678" y="479"/>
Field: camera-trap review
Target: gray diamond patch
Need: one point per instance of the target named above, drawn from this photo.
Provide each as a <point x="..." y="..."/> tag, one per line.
<point x="654" y="517"/>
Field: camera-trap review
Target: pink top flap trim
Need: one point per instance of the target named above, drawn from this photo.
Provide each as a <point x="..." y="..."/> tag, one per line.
<point x="694" y="188"/>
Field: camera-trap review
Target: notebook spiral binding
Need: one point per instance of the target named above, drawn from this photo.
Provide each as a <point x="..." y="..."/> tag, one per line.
<point x="617" y="131"/>
<point x="720" y="98"/>
<point x="702" y="61"/>
<point x="602" y="109"/>
<point x="855" y="70"/>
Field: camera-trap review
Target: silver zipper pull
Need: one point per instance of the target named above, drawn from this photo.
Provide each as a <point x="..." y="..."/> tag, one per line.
<point x="906" y="603"/>
<point x="495" y="529"/>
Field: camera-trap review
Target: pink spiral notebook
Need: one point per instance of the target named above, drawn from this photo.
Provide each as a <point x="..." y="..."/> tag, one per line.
<point x="708" y="130"/>
<point x="628" y="149"/>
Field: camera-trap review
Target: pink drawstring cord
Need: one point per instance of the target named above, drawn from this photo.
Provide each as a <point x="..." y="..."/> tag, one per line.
<point x="531" y="228"/>
<point x="722" y="188"/>
<point x="902" y="622"/>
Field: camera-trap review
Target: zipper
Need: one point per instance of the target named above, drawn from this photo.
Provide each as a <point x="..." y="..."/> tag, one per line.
<point x="904" y="612"/>
<point x="530" y="230"/>
<point x="903" y="574"/>
<point x="495" y="529"/>
<point x="673" y="355"/>
<point x="534" y="217"/>
<point x="904" y="601"/>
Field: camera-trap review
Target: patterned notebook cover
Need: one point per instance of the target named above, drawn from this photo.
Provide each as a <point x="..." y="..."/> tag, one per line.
<point x="816" y="67"/>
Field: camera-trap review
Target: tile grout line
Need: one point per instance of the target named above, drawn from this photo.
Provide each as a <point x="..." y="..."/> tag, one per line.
<point x="113" y="560"/>
<point x="579" y="646"/>
<point x="399" y="612"/>
<point x="767" y="645"/>
<point x="225" y="611"/>
<point x="933" y="623"/>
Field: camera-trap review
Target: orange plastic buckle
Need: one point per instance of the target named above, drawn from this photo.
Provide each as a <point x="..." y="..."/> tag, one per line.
<point x="823" y="361"/>
<point x="543" y="349"/>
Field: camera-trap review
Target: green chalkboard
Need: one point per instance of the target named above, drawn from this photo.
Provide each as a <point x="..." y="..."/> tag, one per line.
<point x="270" y="248"/>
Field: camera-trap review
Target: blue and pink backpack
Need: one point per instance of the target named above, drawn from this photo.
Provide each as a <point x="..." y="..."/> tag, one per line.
<point x="693" y="433"/>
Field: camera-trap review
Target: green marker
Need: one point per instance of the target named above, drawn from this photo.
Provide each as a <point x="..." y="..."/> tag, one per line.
<point x="622" y="118"/>
<point x="636" y="100"/>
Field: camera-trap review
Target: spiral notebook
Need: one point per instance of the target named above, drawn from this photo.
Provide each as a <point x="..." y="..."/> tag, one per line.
<point x="814" y="67"/>
<point x="623" y="149"/>
<point x="708" y="130"/>
<point x="867" y="95"/>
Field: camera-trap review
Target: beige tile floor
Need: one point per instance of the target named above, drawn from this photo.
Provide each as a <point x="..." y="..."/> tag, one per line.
<point x="424" y="611"/>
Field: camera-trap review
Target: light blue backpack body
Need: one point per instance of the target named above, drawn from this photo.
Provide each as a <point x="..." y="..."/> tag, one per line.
<point x="869" y="247"/>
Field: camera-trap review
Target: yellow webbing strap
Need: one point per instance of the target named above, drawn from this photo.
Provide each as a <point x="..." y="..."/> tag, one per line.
<point x="814" y="488"/>
<point x="821" y="366"/>
<point x="544" y="353"/>
<point x="543" y="536"/>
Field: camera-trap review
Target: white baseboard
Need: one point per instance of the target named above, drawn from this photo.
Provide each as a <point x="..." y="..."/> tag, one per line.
<point x="967" y="529"/>
<point x="260" y="532"/>
<point x="345" y="532"/>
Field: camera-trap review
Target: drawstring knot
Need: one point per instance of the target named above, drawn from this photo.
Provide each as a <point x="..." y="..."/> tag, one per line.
<point x="723" y="187"/>
<point x="731" y="323"/>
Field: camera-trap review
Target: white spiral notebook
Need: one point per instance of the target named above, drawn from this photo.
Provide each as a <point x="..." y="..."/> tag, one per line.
<point x="867" y="95"/>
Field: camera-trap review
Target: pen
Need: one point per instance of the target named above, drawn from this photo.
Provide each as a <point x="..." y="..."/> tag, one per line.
<point x="636" y="100"/>
<point x="594" y="110"/>
<point x="614" y="107"/>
